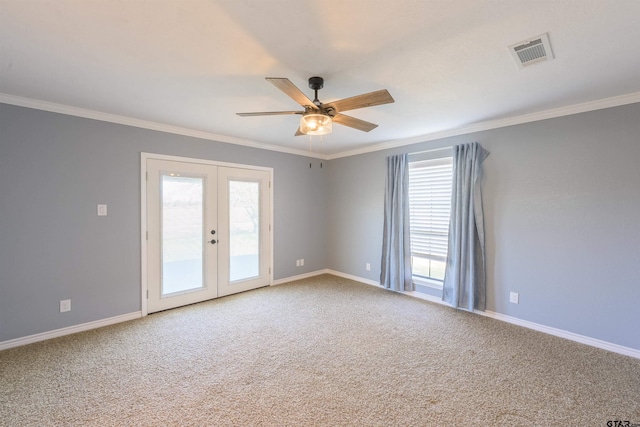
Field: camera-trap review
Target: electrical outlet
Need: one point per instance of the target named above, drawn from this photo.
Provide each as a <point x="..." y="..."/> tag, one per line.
<point x="297" y="263"/>
<point x="302" y="262"/>
<point x="65" y="305"/>
<point x="514" y="297"/>
<point x="368" y="267"/>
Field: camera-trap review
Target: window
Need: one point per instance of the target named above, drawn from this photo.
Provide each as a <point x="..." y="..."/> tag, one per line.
<point x="429" y="209"/>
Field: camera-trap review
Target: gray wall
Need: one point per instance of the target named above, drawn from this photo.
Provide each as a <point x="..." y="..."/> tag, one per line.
<point x="55" y="169"/>
<point x="562" y="218"/>
<point x="561" y="196"/>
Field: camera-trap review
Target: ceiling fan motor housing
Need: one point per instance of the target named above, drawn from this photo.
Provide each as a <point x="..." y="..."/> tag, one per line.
<point x="316" y="83"/>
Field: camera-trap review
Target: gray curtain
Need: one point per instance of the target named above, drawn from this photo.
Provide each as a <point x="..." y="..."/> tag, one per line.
<point x="464" y="281"/>
<point x="396" y="248"/>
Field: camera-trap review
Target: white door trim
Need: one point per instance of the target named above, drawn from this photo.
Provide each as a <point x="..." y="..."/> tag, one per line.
<point x="143" y="213"/>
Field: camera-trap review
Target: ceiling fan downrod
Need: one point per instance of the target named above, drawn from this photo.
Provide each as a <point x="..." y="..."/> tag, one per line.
<point x="316" y="83"/>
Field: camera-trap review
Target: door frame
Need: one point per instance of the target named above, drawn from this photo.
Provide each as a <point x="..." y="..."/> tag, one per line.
<point x="143" y="213"/>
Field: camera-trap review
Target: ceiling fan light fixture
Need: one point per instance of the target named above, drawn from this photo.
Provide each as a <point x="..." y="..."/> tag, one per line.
<point x="315" y="124"/>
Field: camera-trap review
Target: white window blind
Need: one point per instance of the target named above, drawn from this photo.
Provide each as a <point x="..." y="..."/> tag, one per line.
<point x="429" y="207"/>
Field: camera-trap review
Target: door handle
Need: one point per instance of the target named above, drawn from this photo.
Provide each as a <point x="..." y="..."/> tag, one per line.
<point x="213" y="242"/>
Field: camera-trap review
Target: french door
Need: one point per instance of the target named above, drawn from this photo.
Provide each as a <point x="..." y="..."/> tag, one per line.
<point x="208" y="231"/>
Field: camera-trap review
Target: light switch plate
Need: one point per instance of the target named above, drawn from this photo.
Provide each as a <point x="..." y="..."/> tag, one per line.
<point x="514" y="297"/>
<point x="65" y="305"/>
<point x="102" y="210"/>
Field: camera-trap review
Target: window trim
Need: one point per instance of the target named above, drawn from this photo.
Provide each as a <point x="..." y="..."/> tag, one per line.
<point x="428" y="282"/>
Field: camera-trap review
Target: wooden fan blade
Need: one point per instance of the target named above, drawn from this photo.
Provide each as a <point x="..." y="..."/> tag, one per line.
<point x="269" y="113"/>
<point x="354" y="123"/>
<point x="365" y="100"/>
<point x="291" y="91"/>
<point x="298" y="133"/>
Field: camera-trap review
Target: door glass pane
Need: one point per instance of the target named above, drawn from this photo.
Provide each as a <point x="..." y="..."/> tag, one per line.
<point x="182" y="239"/>
<point x="244" y="230"/>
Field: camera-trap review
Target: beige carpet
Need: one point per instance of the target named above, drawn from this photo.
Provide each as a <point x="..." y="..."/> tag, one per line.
<point x="320" y="352"/>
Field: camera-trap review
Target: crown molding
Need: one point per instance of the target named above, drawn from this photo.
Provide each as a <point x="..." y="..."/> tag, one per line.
<point x="500" y="123"/>
<point x="144" y="124"/>
<point x="464" y="130"/>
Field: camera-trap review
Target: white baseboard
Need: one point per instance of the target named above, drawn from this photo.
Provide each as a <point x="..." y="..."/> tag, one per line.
<point x="355" y="278"/>
<point x="300" y="277"/>
<point x="593" y="342"/>
<point x="117" y="319"/>
<point x="69" y="330"/>
<point x="605" y="345"/>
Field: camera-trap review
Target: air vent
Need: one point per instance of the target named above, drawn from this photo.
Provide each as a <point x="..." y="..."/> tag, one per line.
<point x="532" y="51"/>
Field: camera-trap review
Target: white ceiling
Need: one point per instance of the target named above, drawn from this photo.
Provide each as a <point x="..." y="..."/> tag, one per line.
<point x="194" y="63"/>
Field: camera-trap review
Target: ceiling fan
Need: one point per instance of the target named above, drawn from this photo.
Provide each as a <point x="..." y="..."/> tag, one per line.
<point x="317" y="118"/>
